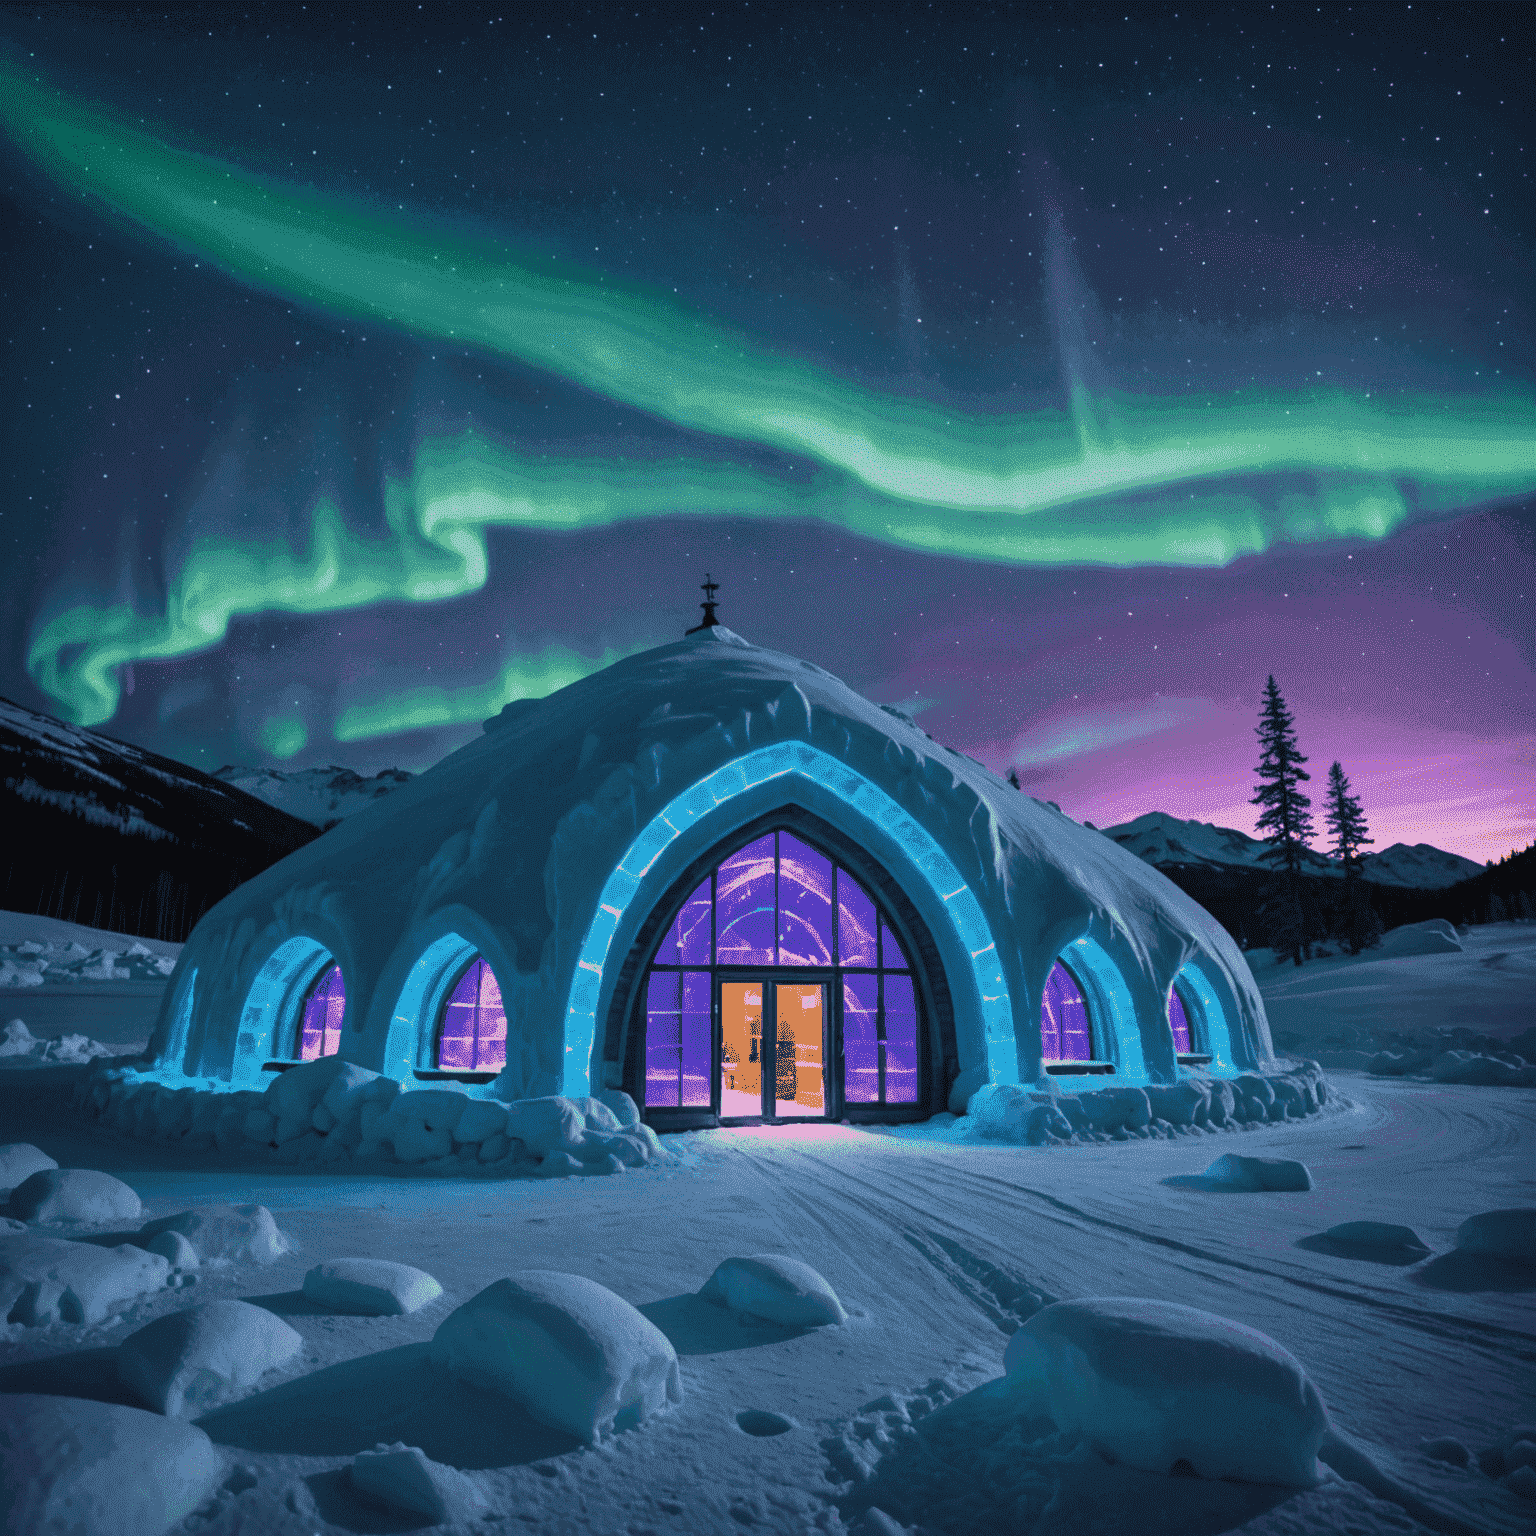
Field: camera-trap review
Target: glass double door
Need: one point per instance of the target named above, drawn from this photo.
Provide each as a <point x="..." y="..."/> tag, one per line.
<point x="774" y="1036"/>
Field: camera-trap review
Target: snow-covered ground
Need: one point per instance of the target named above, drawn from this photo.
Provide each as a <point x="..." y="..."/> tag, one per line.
<point x="1489" y="987"/>
<point x="938" y="1250"/>
<point x="63" y="978"/>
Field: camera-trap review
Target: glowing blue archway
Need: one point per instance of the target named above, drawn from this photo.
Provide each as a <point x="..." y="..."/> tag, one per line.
<point x="272" y="1004"/>
<point x="414" y="1019"/>
<point x="1212" y="1021"/>
<point x="788" y="760"/>
<point x="1115" y="1007"/>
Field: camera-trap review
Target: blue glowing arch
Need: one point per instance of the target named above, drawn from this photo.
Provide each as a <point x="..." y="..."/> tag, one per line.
<point x="1113" y="1009"/>
<point x="787" y="760"/>
<point x="1215" y="1033"/>
<point x="272" y="1004"/>
<point x="421" y="998"/>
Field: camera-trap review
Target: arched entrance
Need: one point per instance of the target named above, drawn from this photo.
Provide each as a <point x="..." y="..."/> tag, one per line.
<point x="785" y="978"/>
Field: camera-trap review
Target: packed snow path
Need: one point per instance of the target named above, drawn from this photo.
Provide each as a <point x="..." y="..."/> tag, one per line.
<point x="938" y="1252"/>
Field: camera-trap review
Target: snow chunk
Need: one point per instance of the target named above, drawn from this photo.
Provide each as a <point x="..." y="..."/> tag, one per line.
<point x="481" y="1119"/>
<point x="370" y="1287"/>
<point x="190" y="1361"/>
<point x="240" y="1233"/>
<point x="67" y="1465"/>
<point x="545" y="1125"/>
<point x="49" y="1279"/>
<point x="402" y="1477"/>
<point x="19" y="1161"/>
<point x="175" y="1250"/>
<point x="1233" y="1174"/>
<point x="574" y="1354"/>
<point x="1506" y="1234"/>
<point x="775" y="1288"/>
<point x="74" y="1195"/>
<point x="1377" y="1234"/>
<point x="1155" y="1383"/>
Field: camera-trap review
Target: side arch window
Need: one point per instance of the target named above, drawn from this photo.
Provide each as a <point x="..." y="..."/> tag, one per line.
<point x="319" y="1022"/>
<point x="1066" y="1030"/>
<point x="472" y="1031"/>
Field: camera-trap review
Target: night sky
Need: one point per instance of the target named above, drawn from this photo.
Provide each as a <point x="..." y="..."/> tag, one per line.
<point x="1056" y="373"/>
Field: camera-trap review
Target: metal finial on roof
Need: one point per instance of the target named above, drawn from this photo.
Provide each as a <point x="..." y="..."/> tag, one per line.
<point x="709" y="586"/>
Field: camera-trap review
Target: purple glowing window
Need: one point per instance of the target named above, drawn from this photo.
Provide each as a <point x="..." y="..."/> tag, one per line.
<point x="745" y="901"/>
<point x="1178" y="1022"/>
<point x="891" y="956"/>
<point x="688" y="939"/>
<point x="900" y="1040"/>
<point x="474" y="1033"/>
<point x="1064" y="1032"/>
<point x="678" y="1039"/>
<point x="320" y="1026"/>
<point x="805" y="904"/>
<point x="855" y="922"/>
<point x="861" y="1039"/>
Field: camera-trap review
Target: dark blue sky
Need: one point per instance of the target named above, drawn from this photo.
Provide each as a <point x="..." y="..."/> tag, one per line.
<point x="926" y="240"/>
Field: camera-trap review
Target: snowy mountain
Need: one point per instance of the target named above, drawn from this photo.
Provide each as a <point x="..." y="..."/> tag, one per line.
<point x="1164" y="840"/>
<point x="317" y="795"/>
<point x="120" y="838"/>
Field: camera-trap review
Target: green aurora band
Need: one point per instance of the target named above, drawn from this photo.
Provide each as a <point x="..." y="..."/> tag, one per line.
<point x="1172" y="481"/>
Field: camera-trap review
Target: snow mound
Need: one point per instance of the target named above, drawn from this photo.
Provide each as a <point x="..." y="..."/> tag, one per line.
<point x="1232" y="1174"/>
<point x="1379" y="1235"/>
<point x="776" y="1289"/>
<point x="20" y="1160"/>
<point x="1479" y="1070"/>
<point x="190" y="1361"/>
<point x="18" y="1047"/>
<point x="1155" y="1383"/>
<point x="49" y="1279"/>
<point x="245" y="1234"/>
<point x="574" y="1354"/>
<point x="73" y="1195"/>
<point x="67" y="1466"/>
<point x="330" y="1110"/>
<point x="403" y="1477"/>
<point x="1506" y="1234"/>
<point x="51" y="962"/>
<point x="175" y="1250"/>
<point x="1436" y="937"/>
<point x="370" y="1287"/>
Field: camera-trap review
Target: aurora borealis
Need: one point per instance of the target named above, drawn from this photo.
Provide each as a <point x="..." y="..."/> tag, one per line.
<point x="363" y="379"/>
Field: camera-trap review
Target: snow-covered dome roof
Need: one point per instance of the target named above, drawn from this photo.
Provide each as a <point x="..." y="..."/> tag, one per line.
<point x="553" y="846"/>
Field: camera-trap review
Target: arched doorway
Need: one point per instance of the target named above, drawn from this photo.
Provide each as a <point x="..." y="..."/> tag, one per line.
<point x="786" y="980"/>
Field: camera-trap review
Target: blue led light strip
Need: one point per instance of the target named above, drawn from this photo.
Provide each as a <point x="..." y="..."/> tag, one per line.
<point x="787" y="760"/>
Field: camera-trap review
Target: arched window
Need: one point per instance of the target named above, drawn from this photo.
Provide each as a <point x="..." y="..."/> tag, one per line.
<point x="1066" y="1034"/>
<point x="472" y="1034"/>
<point x="834" y="986"/>
<point x="1179" y="1023"/>
<point x="319" y="1027"/>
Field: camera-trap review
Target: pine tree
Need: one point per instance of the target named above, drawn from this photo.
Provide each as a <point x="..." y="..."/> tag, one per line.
<point x="1285" y="815"/>
<point x="1360" y="924"/>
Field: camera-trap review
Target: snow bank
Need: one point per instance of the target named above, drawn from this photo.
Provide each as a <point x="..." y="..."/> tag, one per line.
<point x="190" y="1361"/>
<point x="1155" y="1383"/>
<point x="403" y="1477"/>
<point x="63" y="962"/>
<point x="574" y="1354"/>
<point x="73" y="1195"/>
<point x="1042" y="1114"/>
<point x="776" y="1289"/>
<point x="1436" y="937"/>
<point x="370" y="1287"/>
<point x="1377" y="1236"/>
<point x="331" y="1110"/>
<point x="20" y="1160"/>
<point x="19" y="1048"/>
<point x="67" y="1465"/>
<point x="50" y="1279"/>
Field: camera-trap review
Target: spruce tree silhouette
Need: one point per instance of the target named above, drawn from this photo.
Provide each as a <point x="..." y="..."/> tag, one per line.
<point x="1285" y="818"/>
<point x="1360" y="925"/>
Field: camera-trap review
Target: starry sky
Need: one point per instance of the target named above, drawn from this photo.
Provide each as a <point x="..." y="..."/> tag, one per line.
<point x="1055" y="373"/>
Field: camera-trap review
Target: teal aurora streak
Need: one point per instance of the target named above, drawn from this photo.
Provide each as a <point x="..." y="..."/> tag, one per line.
<point x="1173" y="481"/>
